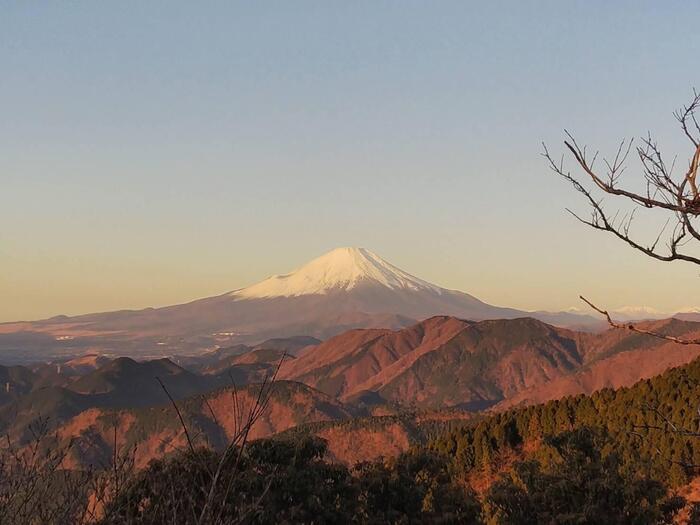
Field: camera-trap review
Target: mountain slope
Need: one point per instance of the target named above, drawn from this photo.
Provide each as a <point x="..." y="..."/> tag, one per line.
<point x="442" y="361"/>
<point x="616" y="359"/>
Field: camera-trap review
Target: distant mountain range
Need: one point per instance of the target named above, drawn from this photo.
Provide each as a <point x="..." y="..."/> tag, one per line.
<point x="442" y="366"/>
<point x="343" y="289"/>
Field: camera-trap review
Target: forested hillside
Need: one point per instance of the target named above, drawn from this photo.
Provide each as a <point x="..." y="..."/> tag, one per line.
<point x="653" y="426"/>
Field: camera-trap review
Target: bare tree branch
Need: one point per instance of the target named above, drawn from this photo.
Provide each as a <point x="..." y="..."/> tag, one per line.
<point x="678" y="195"/>
<point x="633" y="328"/>
<point x="179" y="415"/>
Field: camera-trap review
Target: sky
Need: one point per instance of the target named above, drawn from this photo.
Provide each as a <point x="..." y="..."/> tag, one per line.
<point x="153" y="153"/>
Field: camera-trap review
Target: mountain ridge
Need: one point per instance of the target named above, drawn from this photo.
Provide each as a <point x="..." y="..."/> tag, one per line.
<point x="441" y="361"/>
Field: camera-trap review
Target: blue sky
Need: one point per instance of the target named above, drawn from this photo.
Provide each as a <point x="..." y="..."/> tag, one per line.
<point x="156" y="152"/>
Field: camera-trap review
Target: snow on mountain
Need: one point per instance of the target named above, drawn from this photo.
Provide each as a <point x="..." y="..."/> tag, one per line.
<point x="625" y="313"/>
<point x="635" y="313"/>
<point x="342" y="269"/>
<point x="689" y="310"/>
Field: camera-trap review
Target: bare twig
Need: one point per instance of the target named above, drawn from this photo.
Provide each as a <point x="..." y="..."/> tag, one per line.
<point x="239" y="441"/>
<point x="179" y="415"/>
<point x="632" y="327"/>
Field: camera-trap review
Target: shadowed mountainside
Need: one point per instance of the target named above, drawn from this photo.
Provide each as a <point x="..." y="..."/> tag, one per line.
<point x="210" y="419"/>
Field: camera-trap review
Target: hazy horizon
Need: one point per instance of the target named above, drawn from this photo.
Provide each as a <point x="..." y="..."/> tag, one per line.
<point x="155" y="154"/>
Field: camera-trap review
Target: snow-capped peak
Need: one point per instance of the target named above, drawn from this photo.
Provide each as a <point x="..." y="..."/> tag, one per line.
<point x="339" y="269"/>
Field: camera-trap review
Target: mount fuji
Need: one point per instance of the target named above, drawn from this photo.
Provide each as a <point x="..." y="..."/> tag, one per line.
<point x="342" y="269"/>
<point x="343" y="289"/>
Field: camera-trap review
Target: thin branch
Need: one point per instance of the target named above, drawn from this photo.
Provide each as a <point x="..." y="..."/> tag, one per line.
<point x="610" y="188"/>
<point x="179" y="415"/>
<point x="600" y="221"/>
<point x="633" y="328"/>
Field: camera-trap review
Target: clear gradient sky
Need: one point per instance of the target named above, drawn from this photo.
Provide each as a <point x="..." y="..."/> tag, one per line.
<point x="157" y="152"/>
